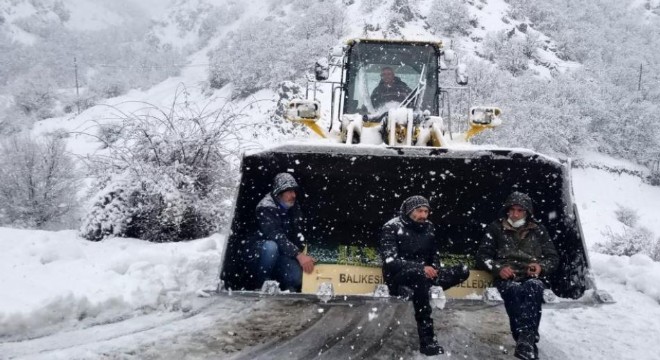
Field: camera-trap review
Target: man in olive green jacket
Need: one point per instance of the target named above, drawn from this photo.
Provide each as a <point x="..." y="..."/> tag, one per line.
<point x="518" y="251"/>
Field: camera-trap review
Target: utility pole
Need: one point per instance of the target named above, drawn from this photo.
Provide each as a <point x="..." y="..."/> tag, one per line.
<point x="639" y="83"/>
<point x="75" y="69"/>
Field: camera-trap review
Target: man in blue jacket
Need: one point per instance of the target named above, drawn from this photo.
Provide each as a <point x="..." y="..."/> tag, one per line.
<point x="279" y="242"/>
<point x="411" y="265"/>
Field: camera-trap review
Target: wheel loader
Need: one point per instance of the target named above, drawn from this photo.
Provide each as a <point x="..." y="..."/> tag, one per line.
<point x="372" y="155"/>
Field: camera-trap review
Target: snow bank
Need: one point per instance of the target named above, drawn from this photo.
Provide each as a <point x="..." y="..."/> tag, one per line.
<point x="598" y="194"/>
<point x="638" y="272"/>
<point x="56" y="279"/>
<point x="599" y="191"/>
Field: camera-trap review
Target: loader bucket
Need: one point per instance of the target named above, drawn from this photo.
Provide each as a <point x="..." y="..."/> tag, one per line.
<point x="349" y="192"/>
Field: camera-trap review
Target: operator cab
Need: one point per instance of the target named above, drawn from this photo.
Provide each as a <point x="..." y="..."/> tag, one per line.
<point x="415" y="64"/>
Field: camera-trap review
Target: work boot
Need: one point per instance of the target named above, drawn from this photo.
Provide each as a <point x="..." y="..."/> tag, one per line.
<point x="430" y="346"/>
<point x="526" y="347"/>
<point x="537" y="337"/>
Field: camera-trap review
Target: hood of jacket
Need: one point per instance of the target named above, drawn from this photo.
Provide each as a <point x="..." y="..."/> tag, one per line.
<point x="282" y="183"/>
<point x="521" y="199"/>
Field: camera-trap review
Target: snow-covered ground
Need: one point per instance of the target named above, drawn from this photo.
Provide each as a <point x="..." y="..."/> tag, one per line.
<point x="55" y="280"/>
<point x="627" y="329"/>
<point x="57" y="284"/>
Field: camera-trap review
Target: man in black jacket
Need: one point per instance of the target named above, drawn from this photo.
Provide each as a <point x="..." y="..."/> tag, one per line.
<point x="279" y="242"/>
<point x="411" y="265"/>
<point x="390" y="88"/>
<point x="518" y="251"/>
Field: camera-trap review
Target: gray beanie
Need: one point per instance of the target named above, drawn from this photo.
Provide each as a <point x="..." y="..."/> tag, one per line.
<point x="413" y="203"/>
<point x="283" y="182"/>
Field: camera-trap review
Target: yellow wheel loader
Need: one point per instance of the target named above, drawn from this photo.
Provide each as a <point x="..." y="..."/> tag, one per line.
<point x="375" y="153"/>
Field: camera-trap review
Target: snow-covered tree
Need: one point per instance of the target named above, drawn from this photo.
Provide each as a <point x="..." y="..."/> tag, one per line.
<point x="619" y="64"/>
<point x="553" y="117"/>
<point x="655" y="255"/>
<point x="62" y="12"/>
<point x="509" y="50"/>
<point x="449" y="17"/>
<point x="35" y="92"/>
<point x="38" y="182"/>
<point x="368" y="6"/>
<point x="265" y="52"/>
<point x="221" y="15"/>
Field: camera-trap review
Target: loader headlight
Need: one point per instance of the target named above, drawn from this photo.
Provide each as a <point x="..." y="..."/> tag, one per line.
<point x="461" y="74"/>
<point x="322" y="69"/>
<point x="485" y="115"/>
<point x="303" y="110"/>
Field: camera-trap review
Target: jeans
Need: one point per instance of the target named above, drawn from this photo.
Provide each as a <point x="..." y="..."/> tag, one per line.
<point x="273" y="266"/>
<point x="522" y="301"/>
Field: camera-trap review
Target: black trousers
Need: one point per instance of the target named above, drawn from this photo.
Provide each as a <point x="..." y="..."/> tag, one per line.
<point x="416" y="280"/>
<point x="522" y="301"/>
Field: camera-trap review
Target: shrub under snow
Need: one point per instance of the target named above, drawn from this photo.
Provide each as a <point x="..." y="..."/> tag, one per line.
<point x="633" y="240"/>
<point x="168" y="176"/>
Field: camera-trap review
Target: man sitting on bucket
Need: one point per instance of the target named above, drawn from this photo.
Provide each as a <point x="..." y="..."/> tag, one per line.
<point x="279" y="244"/>
<point x="409" y="251"/>
<point x="517" y="250"/>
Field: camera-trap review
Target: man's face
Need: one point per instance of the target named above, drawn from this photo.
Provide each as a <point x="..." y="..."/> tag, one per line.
<point x="516" y="212"/>
<point x="288" y="197"/>
<point x="387" y="75"/>
<point x="420" y="214"/>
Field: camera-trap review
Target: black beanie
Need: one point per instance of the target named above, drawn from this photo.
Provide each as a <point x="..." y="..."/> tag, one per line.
<point x="413" y="203"/>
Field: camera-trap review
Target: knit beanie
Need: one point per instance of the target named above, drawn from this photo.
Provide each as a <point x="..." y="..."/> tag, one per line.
<point x="413" y="203"/>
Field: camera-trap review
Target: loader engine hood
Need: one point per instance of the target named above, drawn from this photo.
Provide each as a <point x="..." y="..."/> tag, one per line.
<point x="347" y="193"/>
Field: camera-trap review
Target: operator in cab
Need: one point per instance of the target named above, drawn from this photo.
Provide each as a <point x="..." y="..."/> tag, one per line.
<point x="390" y="88"/>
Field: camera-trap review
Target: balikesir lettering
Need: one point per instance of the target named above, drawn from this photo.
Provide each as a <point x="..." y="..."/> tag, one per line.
<point x="476" y="284"/>
<point x="360" y="279"/>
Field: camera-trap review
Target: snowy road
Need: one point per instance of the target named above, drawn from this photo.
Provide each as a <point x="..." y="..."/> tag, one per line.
<point x="216" y="327"/>
<point x="221" y="327"/>
<point x="251" y="328"/>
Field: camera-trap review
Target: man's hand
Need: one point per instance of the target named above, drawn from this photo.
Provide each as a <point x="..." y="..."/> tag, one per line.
<point x="507" y="273"/>
<point x="430" y="272"/>
<point x="306" y="262"/>
<point x="533" y="270"/>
